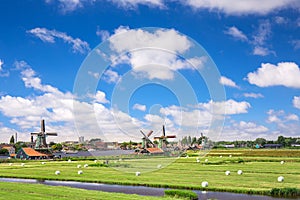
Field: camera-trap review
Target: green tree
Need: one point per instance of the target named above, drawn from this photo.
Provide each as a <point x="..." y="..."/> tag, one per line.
<point x="260" y="141"/>
<point x="12" y="140"/>
<point x="3" y="152"/>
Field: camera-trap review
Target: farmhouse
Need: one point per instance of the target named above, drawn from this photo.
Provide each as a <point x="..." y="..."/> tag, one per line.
<point x="30" y="154"/>
<point x="10" y="149"/>
<point x="152" y="151"/>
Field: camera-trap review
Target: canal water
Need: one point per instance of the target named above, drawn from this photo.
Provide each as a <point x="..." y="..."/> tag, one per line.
<point x="140" y="190"/>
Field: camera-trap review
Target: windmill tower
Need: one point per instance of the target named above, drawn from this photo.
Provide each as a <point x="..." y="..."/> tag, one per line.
<point x="40" y="142"/>
<point x="163" y="138"/>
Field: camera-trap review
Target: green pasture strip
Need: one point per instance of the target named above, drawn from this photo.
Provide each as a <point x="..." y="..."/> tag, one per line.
<point x="38" y="191"/>
<point x="259" y="173"/>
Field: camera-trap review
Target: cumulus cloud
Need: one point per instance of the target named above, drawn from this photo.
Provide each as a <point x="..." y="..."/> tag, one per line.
<point x="296" y="102"/>
<point x="287" y="124"/>
<point x="228" y="82"/>
<point x="139" y="107"/>
<point x="283" y="74"/>
<point x="153" y="54"/>
<point x="242" y="7"/>
<point x="111" y="76"/>
<point x="253" y="95"/>
<point x="2" y="71"/>
<point x="236" y="33"/>
<point x="229" y="107"/>
<point x="102" y="33"/>
<point x="50" y="36"/>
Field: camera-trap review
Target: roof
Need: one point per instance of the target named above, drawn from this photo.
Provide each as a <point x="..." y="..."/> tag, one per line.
<point x="155" y="150"/>
<point x="32" y="152"/>
<point x="7" y="147"/>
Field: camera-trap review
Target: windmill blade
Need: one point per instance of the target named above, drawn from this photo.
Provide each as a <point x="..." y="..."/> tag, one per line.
<point x="52" y="134"/>
<point x="164" y="131"/>
<point x="171" y="136"/>
<point x="148" y="135"/>
<point x="35" y="133"/>
<point x="43" y="126"/>
<point x="201" y="134"/>
<point x="143" y="134"/>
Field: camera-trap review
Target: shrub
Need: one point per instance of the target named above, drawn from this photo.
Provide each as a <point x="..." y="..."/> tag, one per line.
<point x="285" y="192"/>
<point x="182" y="194"/>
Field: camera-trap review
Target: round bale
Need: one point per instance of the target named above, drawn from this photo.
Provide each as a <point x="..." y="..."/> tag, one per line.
<point x="78" y="166"/>
<point x="239" y="172"/>
<point x="80" y="172"/>
<point x="280" y="179"/>
<point x="204" y="184"/>
<point x="57" y="172"/>
<point x="282" y="162"/>
<point x="85" y="166"/>
<point x="137" y="173"/>
<point x="227" y="173"/>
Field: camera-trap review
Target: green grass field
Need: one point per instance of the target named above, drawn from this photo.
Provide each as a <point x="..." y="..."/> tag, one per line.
<point x="260" y="171"/>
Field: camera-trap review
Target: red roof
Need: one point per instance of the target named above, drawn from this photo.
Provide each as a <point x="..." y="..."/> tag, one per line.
<point x="155" y="150"/>
<point x="32" y="152"/>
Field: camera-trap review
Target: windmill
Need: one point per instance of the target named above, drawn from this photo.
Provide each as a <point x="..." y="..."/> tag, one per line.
<point x="163" y="138"/>
<point x="40" y="142"/>
<point x="146" y="140"/>
<point x="203" y="140"/>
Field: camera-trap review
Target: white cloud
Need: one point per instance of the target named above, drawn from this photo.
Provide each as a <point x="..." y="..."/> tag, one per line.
<point x="68" y="5"/>
<point x="96" y="75"/>
<point x="281" y="20"/>
<point x="111" y="76"/>
<point x="236" y="33"/>
<point x="242" y="7"/>
<point x="229" y="107"/>
<point x="253" y="95"/>
<point x="132" y="4"/>
<point x="285" y="74"/>
<point x="260" y="38"/>
<point x="100" y="97"/>
<point x="153" y="54"/>
<point x="296" y="102"/>
<point x="51" y="35"/>
<point x="228" y="82"/>
<point x="286" y="124"/>
<point x="139" y="107"/>
<point x="1" y="64"/>
<point x="102" y="33"/>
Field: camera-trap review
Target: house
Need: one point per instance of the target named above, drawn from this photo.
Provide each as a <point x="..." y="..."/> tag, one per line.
<point x="11" y="150"/>
<point x="30" y="154"/>
<point x="152" y="151"/>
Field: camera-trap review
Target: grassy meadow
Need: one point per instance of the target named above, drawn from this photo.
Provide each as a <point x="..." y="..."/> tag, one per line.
<point x="261" y="168"/>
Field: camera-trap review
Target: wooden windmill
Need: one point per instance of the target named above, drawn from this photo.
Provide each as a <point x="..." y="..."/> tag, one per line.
<point x="146" y="141"/>
<point x="163" y="138"/>
<point x="40" y="142"/>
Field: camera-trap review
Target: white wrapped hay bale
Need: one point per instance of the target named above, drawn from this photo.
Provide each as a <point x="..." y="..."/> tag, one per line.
<point x="239" y="172"/>
<point x="137" y="173"/>
<point x="227" y="173"/>
<point x="22" y="164"/>
<point x="80" y="172"/>
<point x="57" y="172"/>
<point x="78" y="166"/>
<point x="206" y="160"/>
<point x="95" y="161"/>
<point x="282" y="162"/>
<point x="10" y="164"/>
<point x="204" y="184"/>
<point x="197" y="160"/>
<point x="158" y="166"/>
<point x="85" y="166"/>
<point x="221" y="156"/>
<point x="280" y="179"/>
<point x="43" y="163"/>
<point x="230" y="156"/>
<point x="69" y="160"/>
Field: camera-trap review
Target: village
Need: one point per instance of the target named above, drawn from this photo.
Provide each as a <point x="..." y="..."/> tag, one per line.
<point x="39" y="149"/>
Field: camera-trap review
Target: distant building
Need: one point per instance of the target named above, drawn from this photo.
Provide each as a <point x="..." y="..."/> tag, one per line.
<point x="152" y="151"/>
<point x="11" y="150"/>
<point x="229" y="145"/>
<point x="30" y="154"/>
<point x="81" y="139"/>
<point x="272" y="146"/>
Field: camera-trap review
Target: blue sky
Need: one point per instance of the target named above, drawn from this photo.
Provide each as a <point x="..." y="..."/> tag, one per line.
<point x="246" y="79"/>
